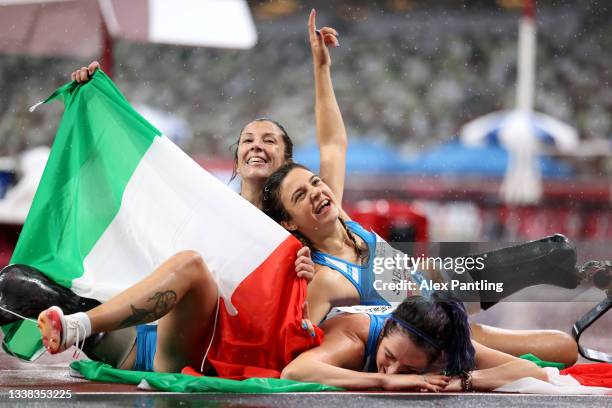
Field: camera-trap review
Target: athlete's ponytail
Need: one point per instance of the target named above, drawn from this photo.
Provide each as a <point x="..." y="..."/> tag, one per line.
<point x="459" y="349"/>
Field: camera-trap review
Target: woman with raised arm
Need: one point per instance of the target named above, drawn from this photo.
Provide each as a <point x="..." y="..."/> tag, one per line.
<point x="344" y="253"/>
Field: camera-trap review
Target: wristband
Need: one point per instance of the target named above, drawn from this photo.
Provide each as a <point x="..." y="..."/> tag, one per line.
<point x="466" y="382"/>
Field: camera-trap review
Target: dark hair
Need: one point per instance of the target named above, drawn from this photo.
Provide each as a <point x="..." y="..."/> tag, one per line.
<point x="286" y="140"/>
<point x="442" y="319"/>
<point x="271" y="202"/>
<point x="273" y="206"/>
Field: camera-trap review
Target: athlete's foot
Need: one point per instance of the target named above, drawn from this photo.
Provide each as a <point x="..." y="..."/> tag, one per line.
<point x="60" y="332"/>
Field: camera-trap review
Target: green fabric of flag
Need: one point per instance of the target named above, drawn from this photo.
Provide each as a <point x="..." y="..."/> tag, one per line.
<point x="117" y="199"/>
<point x="75" y="200"/>
<point x="97" y="371"/>
<point x="542" y="363"/>
<point x="80" y="190"/>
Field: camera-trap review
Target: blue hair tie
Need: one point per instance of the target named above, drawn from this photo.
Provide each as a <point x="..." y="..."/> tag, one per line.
<point x="416" y="332"/>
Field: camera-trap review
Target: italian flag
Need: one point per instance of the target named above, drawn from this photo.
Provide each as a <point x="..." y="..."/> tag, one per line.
<point x="117" y="198"/>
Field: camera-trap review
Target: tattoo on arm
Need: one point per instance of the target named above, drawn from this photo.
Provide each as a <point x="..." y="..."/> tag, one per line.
<point x="163" y="302"/>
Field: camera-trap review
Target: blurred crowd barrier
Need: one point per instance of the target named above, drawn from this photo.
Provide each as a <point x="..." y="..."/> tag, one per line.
<point x="411" y="77"/>
<point x="408" y="77"/>
<point x="457" y="221"/>
<point x="470" y="222"/>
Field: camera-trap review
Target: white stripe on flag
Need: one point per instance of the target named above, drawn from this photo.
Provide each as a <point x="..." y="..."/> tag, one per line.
<point x="557" y="384"/>
<point x="172" y="204"/>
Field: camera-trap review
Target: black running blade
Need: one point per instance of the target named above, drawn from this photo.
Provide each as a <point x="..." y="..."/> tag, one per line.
<point x="584" y="322"/>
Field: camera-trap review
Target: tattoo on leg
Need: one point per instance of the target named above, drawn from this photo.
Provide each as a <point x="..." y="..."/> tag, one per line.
<point x="163" y="302"/>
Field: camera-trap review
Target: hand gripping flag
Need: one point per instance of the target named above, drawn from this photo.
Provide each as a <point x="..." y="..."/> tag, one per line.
<point x="117" y="198"/>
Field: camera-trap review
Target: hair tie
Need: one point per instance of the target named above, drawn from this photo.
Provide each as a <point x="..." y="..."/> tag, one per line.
<point x="416" y="332"/>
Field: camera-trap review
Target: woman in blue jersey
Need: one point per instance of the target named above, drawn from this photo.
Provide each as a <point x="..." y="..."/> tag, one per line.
<point x="406" y="350"/>
<point x="344" y="254"/>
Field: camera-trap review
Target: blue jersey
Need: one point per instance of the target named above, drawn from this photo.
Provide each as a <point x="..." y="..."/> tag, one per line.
<point x="377" y="323"/>
<point x="369" y="279"/>
<point x="361" y="276"/>
<point x="378" y="316"/>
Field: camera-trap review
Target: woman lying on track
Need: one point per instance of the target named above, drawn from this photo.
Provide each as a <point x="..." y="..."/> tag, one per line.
<point x="407" y="349"/>
<point x="343" y="252"/>
<point x="181" y="295"/>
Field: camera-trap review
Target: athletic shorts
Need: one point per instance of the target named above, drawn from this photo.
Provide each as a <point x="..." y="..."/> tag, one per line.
<point x="146" y="345"/>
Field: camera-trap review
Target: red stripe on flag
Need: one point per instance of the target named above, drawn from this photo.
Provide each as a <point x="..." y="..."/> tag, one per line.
<point x="266" y="334"/>
<point x="594" y="375"/>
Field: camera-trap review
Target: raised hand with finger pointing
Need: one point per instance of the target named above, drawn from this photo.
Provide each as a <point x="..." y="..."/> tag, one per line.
<point x="320" y="41"/>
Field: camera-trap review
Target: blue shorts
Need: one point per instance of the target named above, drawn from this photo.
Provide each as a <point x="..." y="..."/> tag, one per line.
<point x="146" y="345"/>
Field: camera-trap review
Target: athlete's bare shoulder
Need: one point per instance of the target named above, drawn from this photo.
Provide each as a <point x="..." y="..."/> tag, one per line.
<point x="356" y="325"/>
<point x="329" y="278"/>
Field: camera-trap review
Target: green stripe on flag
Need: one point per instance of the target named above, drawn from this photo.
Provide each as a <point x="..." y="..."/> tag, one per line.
<point x="99" y="143"/>
<point x="97" y="371"/>
<point x="542" y="363"/>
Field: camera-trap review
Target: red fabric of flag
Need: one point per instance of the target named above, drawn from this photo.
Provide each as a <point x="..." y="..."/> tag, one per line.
<point x="595" y="375"/>
<point x="266" y="334"/>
